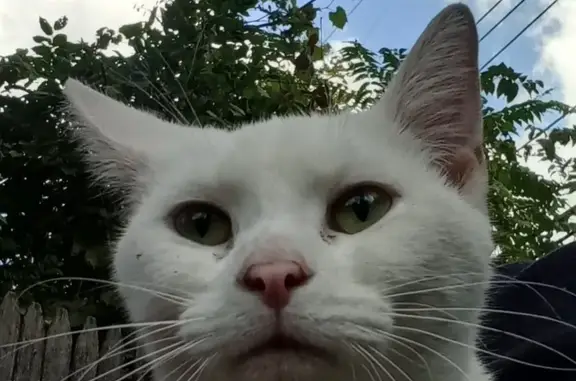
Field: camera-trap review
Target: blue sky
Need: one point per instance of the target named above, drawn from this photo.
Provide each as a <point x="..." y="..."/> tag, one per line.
<point x="398" y="23"/>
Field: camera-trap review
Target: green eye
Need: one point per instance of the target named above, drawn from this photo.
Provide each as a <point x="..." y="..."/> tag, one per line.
<point x="358" y="208"/>
<point x="202" y="223"/>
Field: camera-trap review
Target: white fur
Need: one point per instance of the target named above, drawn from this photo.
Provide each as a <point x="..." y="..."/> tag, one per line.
<point x="275" y="179"/>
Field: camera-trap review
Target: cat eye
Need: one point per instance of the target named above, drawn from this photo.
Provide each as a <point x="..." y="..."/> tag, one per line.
<point x="358" y="208"/>
<point x="203" y="223"/>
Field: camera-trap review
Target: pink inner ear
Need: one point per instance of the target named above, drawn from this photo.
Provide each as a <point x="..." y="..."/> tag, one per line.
<point x="464" y="164"/>
<point x="436" y="94"/>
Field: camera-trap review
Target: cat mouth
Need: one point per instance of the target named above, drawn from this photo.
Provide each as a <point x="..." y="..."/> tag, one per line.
<point x="281" y="344"/>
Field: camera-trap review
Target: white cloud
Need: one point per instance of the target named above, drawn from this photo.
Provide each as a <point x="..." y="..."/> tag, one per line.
<point x="556" y="38"/>
<point x="19" y="19"/>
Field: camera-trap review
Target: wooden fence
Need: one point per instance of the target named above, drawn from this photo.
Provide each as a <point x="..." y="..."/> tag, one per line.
<point x="67" y="357"/>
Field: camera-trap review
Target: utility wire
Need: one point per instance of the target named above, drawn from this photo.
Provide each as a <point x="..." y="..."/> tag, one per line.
<point x="519" y="34"/>
<point x="547" y="128"/>
<point x="488" y="11"/>
<point x="502" y="19"/>
<point x="538" y="17"/>
<point x="348" y="14"/>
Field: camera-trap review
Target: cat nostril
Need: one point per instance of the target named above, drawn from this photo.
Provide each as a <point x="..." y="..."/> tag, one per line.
<point x="275" y="282"/>
<point x="254" y="284"/>
<point x="292" y="281"/>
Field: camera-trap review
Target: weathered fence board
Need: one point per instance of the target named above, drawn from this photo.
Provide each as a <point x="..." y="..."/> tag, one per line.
<point x="86" y="353"/>
<point x="111" y="354"/>
<point x="10" y="320"/>
<point x="58" y="350"/>
<point x="29" y="358"/>
<point x="49" y="351"/>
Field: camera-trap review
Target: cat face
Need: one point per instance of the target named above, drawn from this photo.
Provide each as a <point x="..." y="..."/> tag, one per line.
<point x="295" y="247"/>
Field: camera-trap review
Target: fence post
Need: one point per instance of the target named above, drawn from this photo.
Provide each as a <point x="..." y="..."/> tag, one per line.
<point x="10" y="319"/>
<point x="29" y="358"/>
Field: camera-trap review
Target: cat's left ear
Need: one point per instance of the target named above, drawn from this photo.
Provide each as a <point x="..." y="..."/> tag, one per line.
<point x="435" y="95"/>
<point x="119" y="143"/>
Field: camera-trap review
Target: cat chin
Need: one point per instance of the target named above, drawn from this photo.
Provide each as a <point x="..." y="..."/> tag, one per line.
<point x="281" y="365"/>
<point x="270" y="361"/>
<point x="266" y="367"/>
<point x="258" y="345"/>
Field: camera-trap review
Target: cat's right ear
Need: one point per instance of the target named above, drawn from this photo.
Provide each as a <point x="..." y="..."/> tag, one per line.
<point x="118" y="142"/>
<point x="435" y="97"/>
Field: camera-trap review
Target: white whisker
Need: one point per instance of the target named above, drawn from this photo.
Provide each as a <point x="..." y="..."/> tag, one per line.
<point x="483" y="283"/>
<point x="374" y="362"/>
<point x="415" y="352"/>
<point x="136" y="360"/>
<point x="413" y="342"/>
<point x="97" y="329"/>
<point x="385" y="358"/>
<point x="481" y="326"/>
<point x="370" y="361"/>
<point x="115" y="351"/>
<point x="172" y="112"/>
<point x="191" y="364"/>
<point x="426" y="307"/>
<point x="165" y="296"/>
<point x="490" y="310"/>
<point x="504" y="357"/>
<point x="187" y="99"/>
<point x="196" y="375"/>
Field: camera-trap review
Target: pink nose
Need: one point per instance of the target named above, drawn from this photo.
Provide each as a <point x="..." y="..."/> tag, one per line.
<point x="275" y="281"/>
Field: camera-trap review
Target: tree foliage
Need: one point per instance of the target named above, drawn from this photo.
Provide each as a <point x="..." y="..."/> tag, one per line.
<point x="222" y="63"/>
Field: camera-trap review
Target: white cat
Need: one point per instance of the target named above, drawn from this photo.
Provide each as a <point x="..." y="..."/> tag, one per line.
<point x="331" y="247"/>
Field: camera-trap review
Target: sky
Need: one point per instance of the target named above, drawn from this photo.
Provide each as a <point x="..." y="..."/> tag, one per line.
<point x="545" y="51"/>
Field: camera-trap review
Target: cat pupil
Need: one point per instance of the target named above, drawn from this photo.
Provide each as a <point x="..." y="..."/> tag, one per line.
<point x="361" y="206"/>
<point x="202" y="223"/>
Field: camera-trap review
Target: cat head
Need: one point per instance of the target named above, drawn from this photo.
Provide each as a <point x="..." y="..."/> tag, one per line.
<point x="316" y="232"/>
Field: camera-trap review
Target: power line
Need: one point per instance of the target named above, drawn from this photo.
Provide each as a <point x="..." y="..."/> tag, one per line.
<point x="548" y="127"/>
<point x="349" y="13"/>
<point x="488" y="11"/>
<point x="502" y="19"/>
<point x="570" y="111"/>
<point x="519" y="34"/>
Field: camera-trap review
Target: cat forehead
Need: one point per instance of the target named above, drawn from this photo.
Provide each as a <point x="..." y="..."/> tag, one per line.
<point x="295" y="152"/>
<point x="316" y="143"/>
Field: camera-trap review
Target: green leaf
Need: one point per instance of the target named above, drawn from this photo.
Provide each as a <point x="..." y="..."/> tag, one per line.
<point x="262" y="92"/>
<point x="45" y="26"/>
<point x="561" y="136"/>
<point x="131" y="30"/>
<point x="313" y="37"/>
<point x="302" y="62"/>
<point x="548" y="147"/>
<point x="317" y="54"/>
<point x="61" y="23"/>
<point x="42" y="50"/>
<point x="338" y="17"/>
<point x="507" y="88"/>
<point x="309" y="11"/>
<point x="40" y="39"/>
<point x="60" y="40"/>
